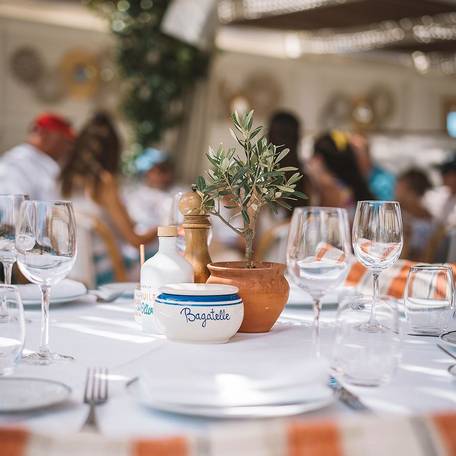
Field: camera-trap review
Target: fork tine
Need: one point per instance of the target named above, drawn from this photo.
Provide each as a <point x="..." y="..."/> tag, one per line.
<point x="86" y="389"/>
<point x="106" y="383"/>
<point x="99" y="383"/>
<point x="93" y="386"/>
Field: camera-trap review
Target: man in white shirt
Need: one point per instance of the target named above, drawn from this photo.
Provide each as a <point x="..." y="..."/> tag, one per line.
<point x="33" y="167"/>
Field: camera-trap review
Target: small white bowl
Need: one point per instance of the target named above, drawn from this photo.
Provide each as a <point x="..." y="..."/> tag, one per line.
<point x="199" y="313"/>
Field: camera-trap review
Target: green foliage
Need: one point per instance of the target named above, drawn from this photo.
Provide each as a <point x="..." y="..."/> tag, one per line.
<point x="157" y="69"/>
<point x="247" y="181"/>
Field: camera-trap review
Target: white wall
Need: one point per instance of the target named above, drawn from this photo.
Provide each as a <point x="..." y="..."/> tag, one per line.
<point x="307" y="84"/>
<point x="18" y="103"/>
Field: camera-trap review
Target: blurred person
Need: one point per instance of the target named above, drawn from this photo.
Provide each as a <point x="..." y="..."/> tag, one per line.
<point x="380" y="181"/>
<point x="285" y="130"/>
<point x="445" y="212"/>
<point x="411" y="186"/>
<point x="33" y="167"/>
<point x="336" y="172"/>
<point x="90" y="180"/>
<point x="150" y="200"/>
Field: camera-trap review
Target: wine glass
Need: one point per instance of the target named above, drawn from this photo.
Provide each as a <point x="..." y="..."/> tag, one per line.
<point x="377" y="243"/>
<point x="9" y="208"/>
<point x="318" y="253"/>
<point x="12" y="331"/>
<point x="177" y="219"/>
<point x="46" y="251"/>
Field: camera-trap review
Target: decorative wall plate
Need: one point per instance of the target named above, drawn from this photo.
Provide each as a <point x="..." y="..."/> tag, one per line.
<point x="27" y="65"/>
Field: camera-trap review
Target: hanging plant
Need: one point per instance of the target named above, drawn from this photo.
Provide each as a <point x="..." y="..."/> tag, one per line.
<point x="156" y="69"/>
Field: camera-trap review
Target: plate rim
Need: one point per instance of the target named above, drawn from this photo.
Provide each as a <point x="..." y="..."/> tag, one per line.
<point x="291" y="409"/>
<point x="66" y="387"/>
<point x="63" y="300"/>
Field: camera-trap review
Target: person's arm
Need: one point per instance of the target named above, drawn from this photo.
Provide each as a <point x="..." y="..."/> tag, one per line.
<point x="109" y="197"/>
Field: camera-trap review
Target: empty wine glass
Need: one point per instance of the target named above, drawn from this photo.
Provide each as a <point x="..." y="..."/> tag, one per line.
<point x="377" y="243"/>
<point x="46" y="251"/>
<point x="9" y="209"/>
<point x="428" y="299"/>
<point x="12" y="331"/>
<point x="177" y="219"/>
<point x="318" y="253"/>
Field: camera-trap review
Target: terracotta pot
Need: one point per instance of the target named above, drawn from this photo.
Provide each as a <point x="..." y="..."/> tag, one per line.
<point x="263" y="289"/>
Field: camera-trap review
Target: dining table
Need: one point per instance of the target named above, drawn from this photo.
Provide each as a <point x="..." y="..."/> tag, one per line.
<point x="101" y="334"/>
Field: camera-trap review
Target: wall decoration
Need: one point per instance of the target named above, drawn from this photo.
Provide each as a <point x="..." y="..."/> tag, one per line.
<point x="50" y="88"/>
<point x="259" y="91"/>
<point x="80" y="73"/>
<point x="366" y="111"/>
<point x="27" y="65"/>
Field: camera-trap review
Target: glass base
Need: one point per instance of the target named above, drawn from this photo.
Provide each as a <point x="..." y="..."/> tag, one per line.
<point x="372" y="327"/>
<point x="4" y="318"/>
<point x="46" y="358"/>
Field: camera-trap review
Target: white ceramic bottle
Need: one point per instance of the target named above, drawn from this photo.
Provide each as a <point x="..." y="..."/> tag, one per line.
<point x="165" y="267"/>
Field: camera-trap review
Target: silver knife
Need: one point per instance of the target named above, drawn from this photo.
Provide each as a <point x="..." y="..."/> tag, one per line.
<point x="452" y="355"/>
<point x="345" y="396"/>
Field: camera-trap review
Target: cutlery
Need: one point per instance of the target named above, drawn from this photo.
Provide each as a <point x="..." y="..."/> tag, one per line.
<point x="106" y="295"/>
<point x="452" y="368"/>
<point x="345" y="396"/>
<point x="95" y="393"/>
<point x="451" y="355"/>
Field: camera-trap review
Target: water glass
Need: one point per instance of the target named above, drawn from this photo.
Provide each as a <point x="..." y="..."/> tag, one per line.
<point x="318" y="253"/>
<point x="366" y="358"/>
<point x="428" y="299"/>
<point x="46" y="251"/>
<point x="12" y="329"/>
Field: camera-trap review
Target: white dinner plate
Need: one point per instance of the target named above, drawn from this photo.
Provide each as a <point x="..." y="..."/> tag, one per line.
<point x="66" y="291"/>
<point x="22" y="394"/>
<point x="228" y="412"/>
<point x="127" y="288"/>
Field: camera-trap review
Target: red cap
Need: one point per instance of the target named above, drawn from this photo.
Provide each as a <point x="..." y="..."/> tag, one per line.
<point x="54" y="122"/>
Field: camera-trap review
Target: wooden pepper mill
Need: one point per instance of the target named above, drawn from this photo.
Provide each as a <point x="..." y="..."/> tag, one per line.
<point x="196" y="227"/>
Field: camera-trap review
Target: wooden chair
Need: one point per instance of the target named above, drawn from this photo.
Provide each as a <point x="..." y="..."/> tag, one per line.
<point x="84" y="271"/>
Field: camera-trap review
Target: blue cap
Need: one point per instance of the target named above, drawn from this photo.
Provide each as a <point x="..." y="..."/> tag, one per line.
<point x="150" y="158"/>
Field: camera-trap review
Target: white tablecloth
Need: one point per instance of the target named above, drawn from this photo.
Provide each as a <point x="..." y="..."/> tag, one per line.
<point x="106" y="335"/>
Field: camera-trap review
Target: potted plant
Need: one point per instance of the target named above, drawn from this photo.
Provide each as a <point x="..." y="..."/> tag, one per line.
<point x="247" y="182"/>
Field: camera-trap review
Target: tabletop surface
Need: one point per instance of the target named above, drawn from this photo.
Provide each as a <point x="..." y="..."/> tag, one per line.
<point x="105" y="334"/>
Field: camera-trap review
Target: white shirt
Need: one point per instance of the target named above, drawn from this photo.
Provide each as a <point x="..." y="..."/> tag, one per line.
<point x="442" y="205"/>
<point x="26" y="170"/>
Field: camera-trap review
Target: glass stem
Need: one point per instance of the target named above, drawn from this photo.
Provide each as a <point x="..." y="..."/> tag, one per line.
<point x="44" y="342"/>
<point x="316" y="327"/>
<point x="7" y="270"/>
<point x="375" y="277"/>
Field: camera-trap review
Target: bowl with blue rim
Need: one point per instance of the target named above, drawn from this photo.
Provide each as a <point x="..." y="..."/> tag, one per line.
<point x="199" y="312"/>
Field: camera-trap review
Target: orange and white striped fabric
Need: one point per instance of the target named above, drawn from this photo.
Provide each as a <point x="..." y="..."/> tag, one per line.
<point x="375" y="436"/>
<point x="392" y="280"/>
<point x="326" y="251"/>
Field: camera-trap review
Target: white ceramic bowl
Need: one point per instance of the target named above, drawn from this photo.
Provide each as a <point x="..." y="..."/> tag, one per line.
<point x="199" y="313"/>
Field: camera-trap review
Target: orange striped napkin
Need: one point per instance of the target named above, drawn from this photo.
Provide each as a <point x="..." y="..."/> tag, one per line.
<point x="375" y="436"/>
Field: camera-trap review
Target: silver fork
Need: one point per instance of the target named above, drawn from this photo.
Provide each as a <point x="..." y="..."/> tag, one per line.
<point x="95" y="393"/>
